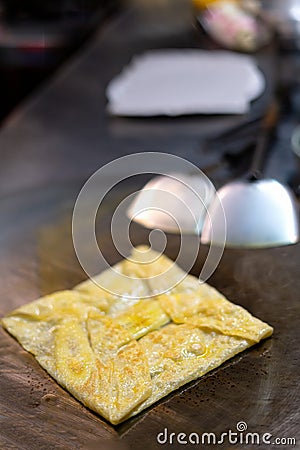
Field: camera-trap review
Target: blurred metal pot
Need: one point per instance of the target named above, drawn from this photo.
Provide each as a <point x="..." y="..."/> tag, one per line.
<point x="285" y="16"/>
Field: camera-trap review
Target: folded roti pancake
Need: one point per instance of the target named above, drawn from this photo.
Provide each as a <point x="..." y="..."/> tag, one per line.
<point x="120" y="354"/>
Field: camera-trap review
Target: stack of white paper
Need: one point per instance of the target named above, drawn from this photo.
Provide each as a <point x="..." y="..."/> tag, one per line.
<point x="188" y="81"/>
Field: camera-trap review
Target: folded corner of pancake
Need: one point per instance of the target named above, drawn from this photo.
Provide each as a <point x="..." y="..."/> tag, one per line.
<point x="119" y="354"/>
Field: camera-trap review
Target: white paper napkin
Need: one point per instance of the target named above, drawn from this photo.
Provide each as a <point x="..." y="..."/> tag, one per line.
<point x="188" y="81"/>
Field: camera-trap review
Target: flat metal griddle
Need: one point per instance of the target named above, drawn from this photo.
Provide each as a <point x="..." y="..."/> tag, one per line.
<point x="259" y="386"/>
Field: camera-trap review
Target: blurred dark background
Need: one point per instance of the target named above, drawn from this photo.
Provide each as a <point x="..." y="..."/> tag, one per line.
<point x="37" y="36"/>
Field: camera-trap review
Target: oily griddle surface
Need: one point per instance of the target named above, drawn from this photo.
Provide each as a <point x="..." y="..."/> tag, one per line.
<point x="259" y="386"/>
